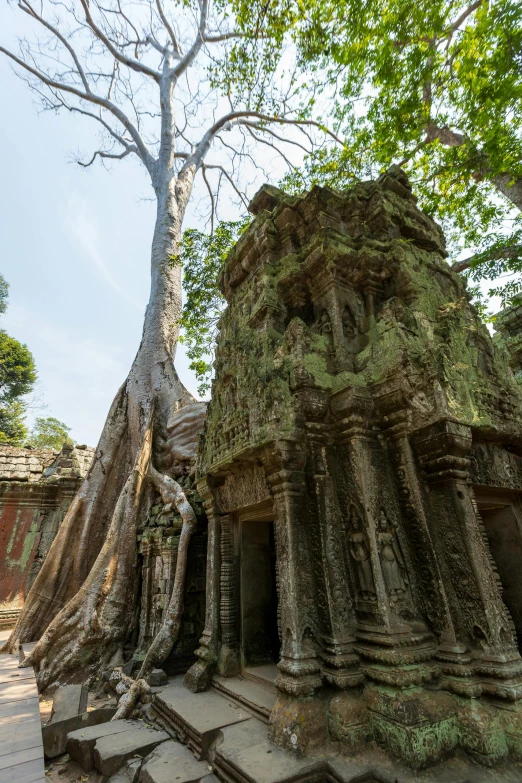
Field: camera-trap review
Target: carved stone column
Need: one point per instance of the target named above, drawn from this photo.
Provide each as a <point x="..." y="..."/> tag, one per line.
<point x="228" y="658"/>
<point x="392" y="639"/>
<point x="452" y="652"/>
<point x="476" y="604"/>
<point x="340" y="662"/>
<point x="299" y="666"/>
<point x="199" y="675"/>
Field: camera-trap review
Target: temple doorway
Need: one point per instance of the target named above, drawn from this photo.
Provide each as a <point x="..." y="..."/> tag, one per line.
<point x="259" y="627"/>
<point x="502" y="517"/>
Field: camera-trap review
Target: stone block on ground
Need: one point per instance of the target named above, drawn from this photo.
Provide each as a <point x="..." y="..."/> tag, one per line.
<point x="129" y="773"/>
<point x="157" y="678"/>
<point x="55" y="733"/>
<point x="112" y="751"/>
<point x="172" y="761"/>
<point x="80" y="743"/>
<point x="68" y="701"/>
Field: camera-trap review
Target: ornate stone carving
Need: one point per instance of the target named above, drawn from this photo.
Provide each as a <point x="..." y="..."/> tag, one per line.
<point x="392" y="562"/>
<point x="360" y="554"/>
<point x="367" y="397"/>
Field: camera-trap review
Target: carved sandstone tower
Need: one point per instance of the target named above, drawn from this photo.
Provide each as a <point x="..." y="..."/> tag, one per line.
<point x="361" y="470"/>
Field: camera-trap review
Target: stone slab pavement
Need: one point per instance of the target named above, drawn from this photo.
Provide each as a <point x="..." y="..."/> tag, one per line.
<point x="21" y="748"/>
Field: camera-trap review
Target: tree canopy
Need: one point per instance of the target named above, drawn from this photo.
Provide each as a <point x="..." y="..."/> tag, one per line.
<point x="17" y="379"/>
<point x="49" y="433"/>
<point x="436" y="88"/>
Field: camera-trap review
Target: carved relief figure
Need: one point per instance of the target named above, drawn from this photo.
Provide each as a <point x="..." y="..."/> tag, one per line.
<point x="349" y="327"/>
<point x="324" y="326"/>
<point x="392" y="563"/>
<point x="360" y="553"/>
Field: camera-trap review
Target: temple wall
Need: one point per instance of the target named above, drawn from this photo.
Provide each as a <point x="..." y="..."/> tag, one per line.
<point x="36" y="489"/>
<point x="361" y="409"/>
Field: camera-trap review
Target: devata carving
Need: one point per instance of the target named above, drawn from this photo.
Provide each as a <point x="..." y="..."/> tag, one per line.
<point x="392" y="564"/>
<point x="360" y="553"/>
<point x="362" y="475"/>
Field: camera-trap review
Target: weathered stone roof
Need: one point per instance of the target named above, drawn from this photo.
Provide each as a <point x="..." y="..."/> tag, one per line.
<point x="25" y="464"/>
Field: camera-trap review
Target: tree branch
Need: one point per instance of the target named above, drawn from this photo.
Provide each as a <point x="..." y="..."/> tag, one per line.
<point x="29" y="10"/>
<point x="237" y="117"/>
<point x="134" y="65"/>
<point x="217" y="37"/>
<point x="212" y="201"/>
<point x="103" y="154"/>
<point x="510" y="253"/>
<point x="176" y="51"/>
<point x="227" y="176"/>
<point x="142" y="151"/>
<point x="192" y="53"/>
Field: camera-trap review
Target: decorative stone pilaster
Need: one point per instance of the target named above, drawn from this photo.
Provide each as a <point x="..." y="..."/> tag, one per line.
<point x="228" y="659"/>
<point x="199" y="675"/>
<point x="477" y="608"/>
<point x="299" y="667"/>
<point x="340" y="662"/>
<point x="392" y="639"/>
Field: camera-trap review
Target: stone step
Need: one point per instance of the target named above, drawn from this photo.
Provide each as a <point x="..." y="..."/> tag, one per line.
<point x="55" y="733"/>
<point x="81" y="742"/>
<point x="112" y="751"/>
<point x="172" y="761"/>
<point x="255" y="696"/>
<point x="196" y="718"/>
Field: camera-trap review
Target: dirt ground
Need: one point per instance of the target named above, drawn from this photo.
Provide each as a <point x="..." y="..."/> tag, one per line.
<point x="65" y="770"/>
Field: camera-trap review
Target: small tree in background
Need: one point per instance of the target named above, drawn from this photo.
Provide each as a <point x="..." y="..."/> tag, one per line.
<point x="17" y="379"/>
<point x="49" y="433"/>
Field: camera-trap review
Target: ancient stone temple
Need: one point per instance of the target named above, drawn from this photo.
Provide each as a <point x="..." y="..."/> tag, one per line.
<point x="361" y="470"/>
<point x="36" y="489"/>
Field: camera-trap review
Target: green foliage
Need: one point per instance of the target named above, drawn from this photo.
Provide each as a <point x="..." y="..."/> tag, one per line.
<point x="17" y="378"/>
<point x="12" y="422"/>
<point x="4" y="294"/>
<point x="17" y="368"/>
<point x="435" y="87"/>
<point x="203" y="256"/>
<point x="49" y="433"/>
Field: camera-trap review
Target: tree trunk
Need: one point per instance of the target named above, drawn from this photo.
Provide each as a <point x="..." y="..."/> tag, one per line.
<point x="81" y="606"/>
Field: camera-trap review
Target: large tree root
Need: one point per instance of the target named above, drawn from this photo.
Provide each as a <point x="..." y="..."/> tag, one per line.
<point x="82" y="606"/>
<point x="132" y="693"/>
<point x="165" y="639"/>
<point x="89" y="630"/>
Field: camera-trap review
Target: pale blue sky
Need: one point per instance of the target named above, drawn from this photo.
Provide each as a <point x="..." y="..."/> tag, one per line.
<point x="74" y="247"/>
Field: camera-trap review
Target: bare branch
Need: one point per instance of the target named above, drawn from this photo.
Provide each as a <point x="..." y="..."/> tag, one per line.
<point x="29" y="10"/>
<point x="496" y="254"/>
<point x="227" y="176"/>
<point x="273" y="147"/>
<point x="134" y="65"/>
<point x="142" y="150"/>
<point x="192" y="53"/>
<point x="212" y="201"/>
<point x="464" y="15"/>
<point x="217" y="37"/>
<point x="238" y="117"/>
<point x="176" y="51"/>
<point x="264" y="129"/>
<point x="103" y="154"/>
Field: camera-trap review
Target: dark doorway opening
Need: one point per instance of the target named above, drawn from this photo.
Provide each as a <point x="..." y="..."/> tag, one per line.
<point x="503" y="525"/>
<point x="259" y="627"/>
